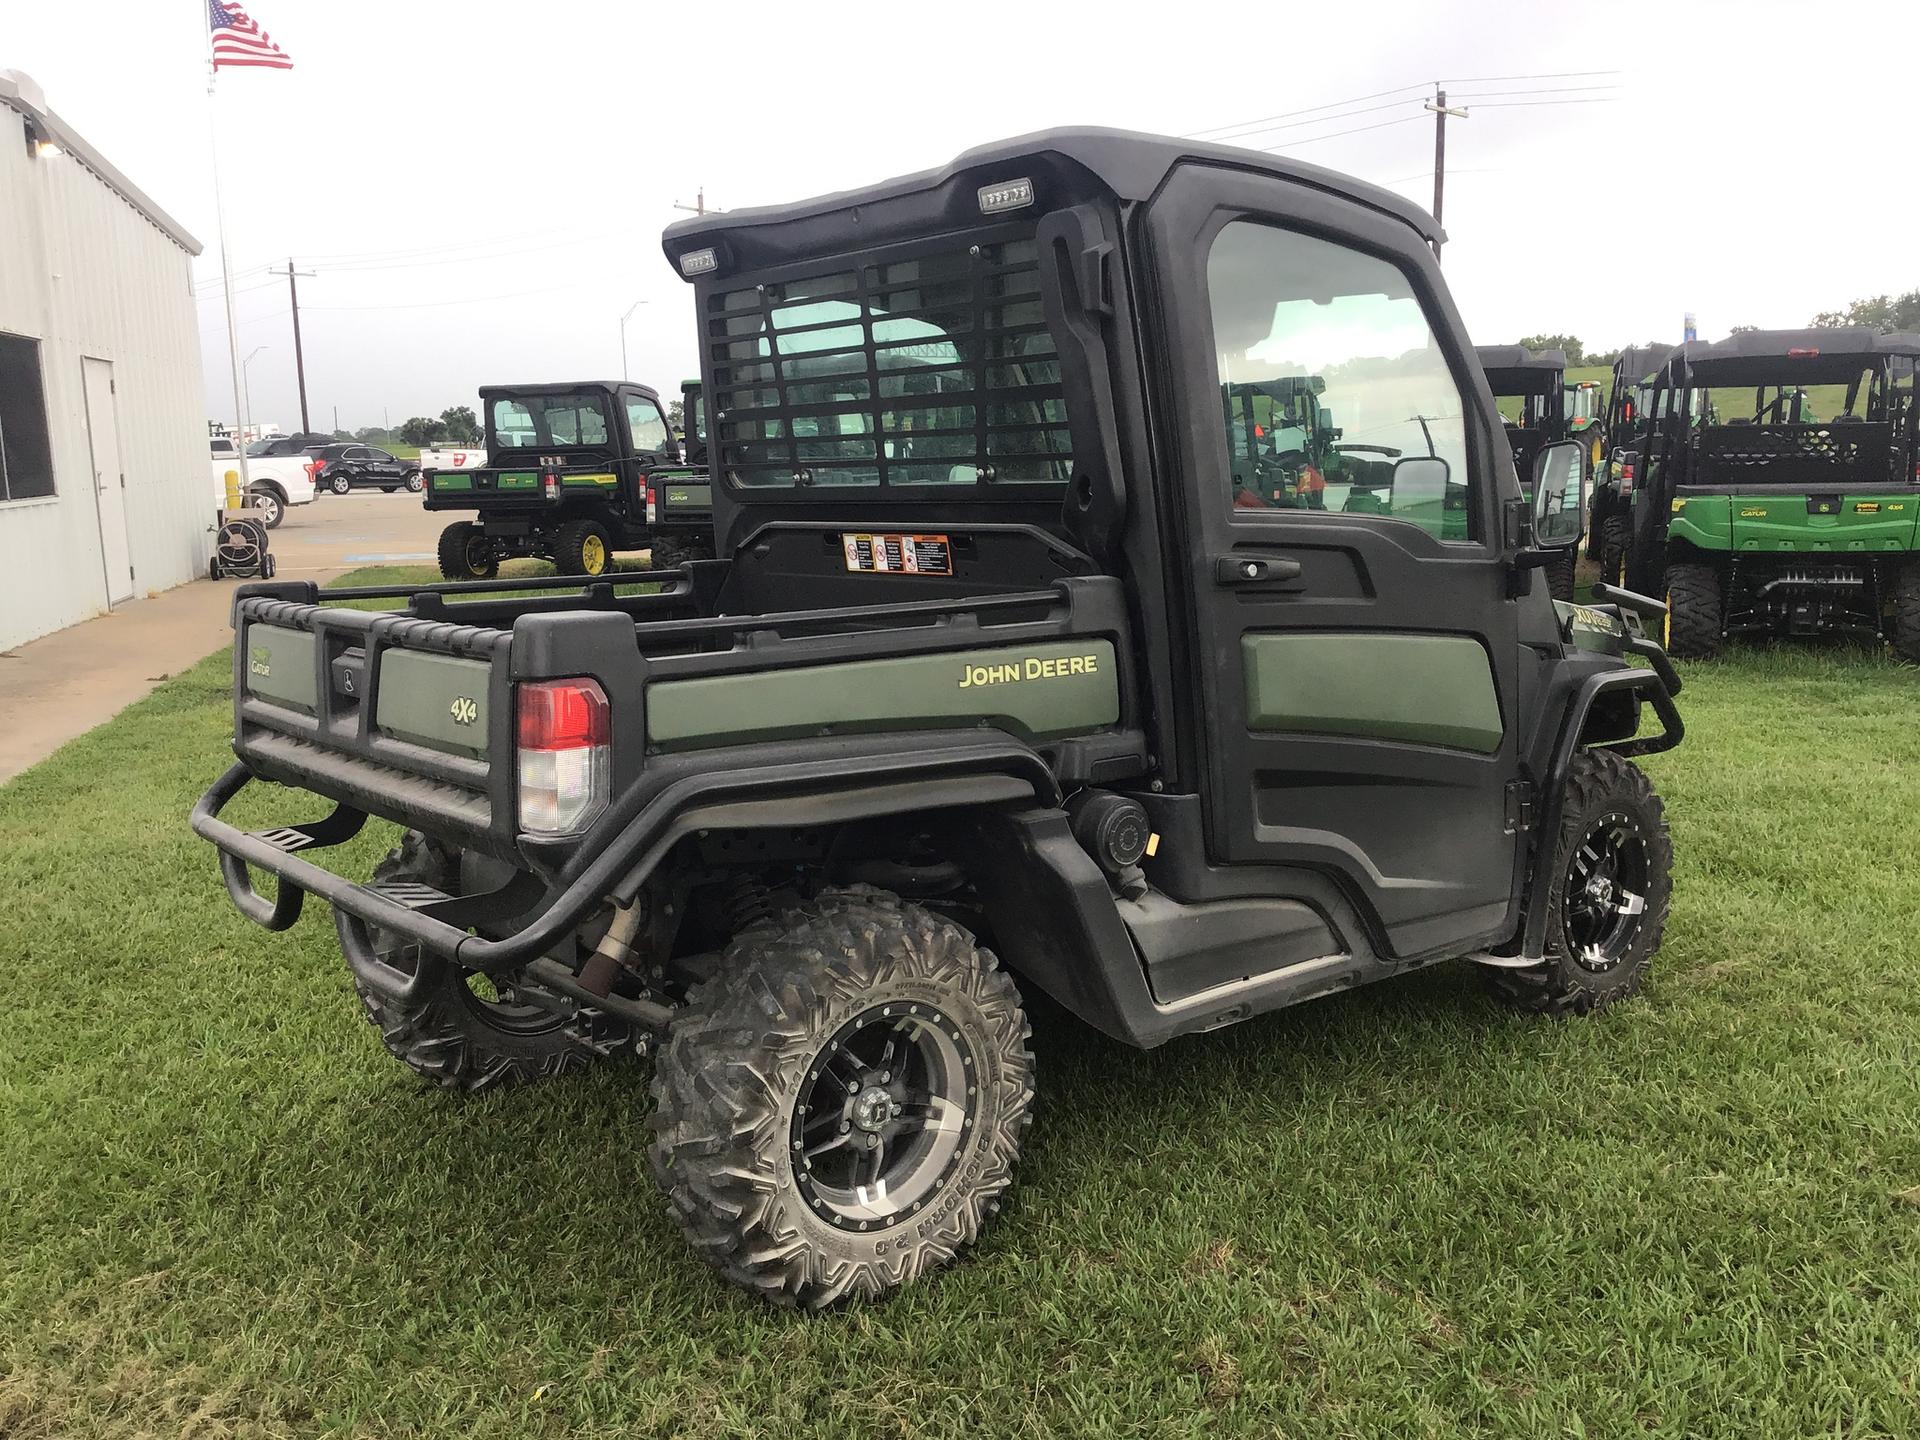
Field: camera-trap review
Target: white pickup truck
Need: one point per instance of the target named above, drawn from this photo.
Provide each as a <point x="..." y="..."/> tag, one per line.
<point x="274" y="481"/>
<point x="454" y="457"/>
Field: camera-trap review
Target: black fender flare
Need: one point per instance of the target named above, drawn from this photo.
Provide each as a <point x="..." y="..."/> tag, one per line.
<point x="1649" y="685"/>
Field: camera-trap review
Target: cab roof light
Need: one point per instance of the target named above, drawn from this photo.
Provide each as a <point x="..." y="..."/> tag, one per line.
<point x="699" y="262"/>
<point x="1803" y="352"/>
<point x="1008" y="195"/>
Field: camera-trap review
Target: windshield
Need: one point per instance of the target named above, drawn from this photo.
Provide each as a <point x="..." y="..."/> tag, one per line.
<point x="932" y="371"/>
<point x="1580" y="403"/>
<point x="266" y="446"/>
<point x="530" y="421"/>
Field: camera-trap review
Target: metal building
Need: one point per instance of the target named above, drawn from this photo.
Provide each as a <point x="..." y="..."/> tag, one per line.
<point x="105" y="490"/>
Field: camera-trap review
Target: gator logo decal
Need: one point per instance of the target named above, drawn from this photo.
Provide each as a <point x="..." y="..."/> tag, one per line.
<point x="260" y="662"/>
<point x="1750" y="513"/>
<point x="465" y="710"/>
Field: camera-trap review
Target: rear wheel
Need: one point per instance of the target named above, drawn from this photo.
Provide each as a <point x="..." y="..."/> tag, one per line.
<point x="469" y="1032"/>
<point x="840" y="1108"/>
<point x="1694" y="611"/>
<point x="271" y="507"/>
<point x="1616" y="538"/>
<point x="583" y="547"/>
<point x="340" y="485"/>
<point x="1611" y="874"/>
<point x="466" y="553"/>
<point x="1906" y="612"/>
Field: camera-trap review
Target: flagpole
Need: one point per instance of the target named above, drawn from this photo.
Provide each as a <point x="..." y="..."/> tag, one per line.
<point x="226" y="279"/>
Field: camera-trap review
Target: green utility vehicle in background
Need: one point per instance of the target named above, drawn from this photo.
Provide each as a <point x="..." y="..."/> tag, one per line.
<point x="1584" y="403"/>
<point x="569" y="469"/>
<point x="1773" y="521"/>
<point x="680" y="505"/>
<point x="1630" y="400"/>
<point x="1533" y="383"/>
<point x="997" y="691"/>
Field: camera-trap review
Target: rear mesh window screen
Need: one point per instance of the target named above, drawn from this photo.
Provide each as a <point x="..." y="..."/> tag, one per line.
<point x="934" y="370"/>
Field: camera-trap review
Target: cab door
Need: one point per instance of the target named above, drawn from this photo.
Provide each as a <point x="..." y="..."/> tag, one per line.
<point x="648" y="437"/>
<point x="1357" y="657"/>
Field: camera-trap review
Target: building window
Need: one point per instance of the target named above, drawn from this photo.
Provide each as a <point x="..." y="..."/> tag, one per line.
<point x="26" y="459"/>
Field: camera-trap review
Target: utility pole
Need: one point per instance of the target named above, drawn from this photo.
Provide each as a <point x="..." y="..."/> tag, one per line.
<point x="623" y="333"/>
<point x="299" y="358"/>
<point x="699" y="206"/>
<point x="1438" y="105"/>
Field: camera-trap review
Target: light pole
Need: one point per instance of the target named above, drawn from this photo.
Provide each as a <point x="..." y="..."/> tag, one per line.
<point x="246" y="394"/>
<point x="623" y="336"/>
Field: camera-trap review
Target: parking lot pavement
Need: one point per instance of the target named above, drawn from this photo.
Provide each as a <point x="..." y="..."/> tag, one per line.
<point x="64" y="684"/>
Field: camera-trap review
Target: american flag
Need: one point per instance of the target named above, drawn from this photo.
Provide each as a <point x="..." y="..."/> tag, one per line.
<point x="238" y="41"/>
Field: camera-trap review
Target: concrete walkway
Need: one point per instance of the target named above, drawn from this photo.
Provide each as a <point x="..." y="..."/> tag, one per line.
<point x="64" y="684"/>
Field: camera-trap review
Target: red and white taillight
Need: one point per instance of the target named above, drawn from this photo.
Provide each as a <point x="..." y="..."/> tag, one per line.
<point x="646" y="494"/>
<point x="1627" y="467"/>
<point x="565" y="735"/>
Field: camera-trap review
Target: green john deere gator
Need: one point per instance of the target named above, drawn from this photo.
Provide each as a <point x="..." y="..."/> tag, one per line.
<point x="570" y="469"/>
<point x="1768" y="520"/>
<point x="995" y="690"/>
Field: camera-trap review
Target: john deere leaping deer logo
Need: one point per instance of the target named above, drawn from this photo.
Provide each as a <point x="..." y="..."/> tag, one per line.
<point x="465" y="710"/>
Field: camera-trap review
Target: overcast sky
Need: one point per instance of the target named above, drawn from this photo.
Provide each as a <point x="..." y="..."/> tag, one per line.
<point x="481" y="187"/>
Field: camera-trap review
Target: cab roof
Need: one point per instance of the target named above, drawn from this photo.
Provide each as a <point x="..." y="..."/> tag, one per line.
<point x="1126" y="164"/>
<point x="1638" y="362"/>
<point x="1820" y="355"/>
<point x="569" y="387"/>
<point x="1516" y="370"/>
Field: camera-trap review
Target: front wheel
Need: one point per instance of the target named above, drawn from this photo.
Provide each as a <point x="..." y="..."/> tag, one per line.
<point x="340" y="485"/>
<point x="840" y="1108"/>
<point x="583" y="547"/>
<point x="1906" y="612"/>
<point x="271" y="507"/>
<point x="466" y="553"/>
<point x="1561" y="574"/>
<point x="1611" y="873"/>
<point x="416" y="482"/>
<point x="1694" y="611"/>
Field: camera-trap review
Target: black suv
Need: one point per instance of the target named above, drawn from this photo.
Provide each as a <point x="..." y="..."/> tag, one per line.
<point x="350" y="466"/>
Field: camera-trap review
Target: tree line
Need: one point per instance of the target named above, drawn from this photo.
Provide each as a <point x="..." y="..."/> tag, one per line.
<point x="1884" y="314"/>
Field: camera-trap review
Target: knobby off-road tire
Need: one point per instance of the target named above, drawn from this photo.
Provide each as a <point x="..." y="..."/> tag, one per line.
<point x="465" y="554"/>
<point x="1611" y="873"/>
<point x="1616" y="539"/>
<point x="1906" y="612"/>
<point x="671" y="554"/>
<point x="465" y="1034"/>
<point x="1561" y="572"/>
<point x="769" y="1086"/>
<point x="1694" y="614"/>
<point x="583" y="547"/>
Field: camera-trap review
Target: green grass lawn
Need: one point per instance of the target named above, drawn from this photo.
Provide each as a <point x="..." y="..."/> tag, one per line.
<point x="224" y="1211"/>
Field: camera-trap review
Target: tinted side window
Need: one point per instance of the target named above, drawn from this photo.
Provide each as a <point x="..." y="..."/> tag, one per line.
<point x="1329" y="376"/>
<point x="647" y="424"/>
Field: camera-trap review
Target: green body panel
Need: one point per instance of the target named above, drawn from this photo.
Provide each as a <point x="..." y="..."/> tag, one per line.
<point x="280" y="666"/>
<point x="443" y="480"/>
<point x="1424" y="689"/>
<point x="1589" y="629"/>
<point x="517" y="480"/>
<point x="1781" y="524"/>
<point x="434" y="700"/>
<point x="680" y="495"/>
<point x="1037" y="692"/>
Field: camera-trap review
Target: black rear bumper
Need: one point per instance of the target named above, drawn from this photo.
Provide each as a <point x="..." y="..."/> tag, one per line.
<point x="823" y="782"/>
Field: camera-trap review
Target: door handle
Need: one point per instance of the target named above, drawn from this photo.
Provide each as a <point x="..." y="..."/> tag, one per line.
<point x="1253" y="569"/>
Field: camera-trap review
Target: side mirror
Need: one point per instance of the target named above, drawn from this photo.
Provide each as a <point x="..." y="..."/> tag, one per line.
<point x="1559" y="516"/>
<point x="1418" y="490"/>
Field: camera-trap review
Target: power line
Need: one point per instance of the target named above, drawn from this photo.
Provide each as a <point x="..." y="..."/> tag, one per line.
<point x="1335" y="135"/>
<point x="1320" y="120"/>
<point x="1308" y="110"/>
<point x="460" y="300"/>
<point x="1503" y="104"/>
<point x="1549" y="75"/>
<point x="1549" y="90"/>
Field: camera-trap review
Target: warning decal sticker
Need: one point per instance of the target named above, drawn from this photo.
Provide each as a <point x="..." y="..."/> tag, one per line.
<point x="898" y="554"/>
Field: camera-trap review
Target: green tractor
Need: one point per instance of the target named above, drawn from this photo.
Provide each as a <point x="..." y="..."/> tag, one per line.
<point x="1584" y="404"/>
<point x="1775" y="521"/>
<point x="1530" y="386"/>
